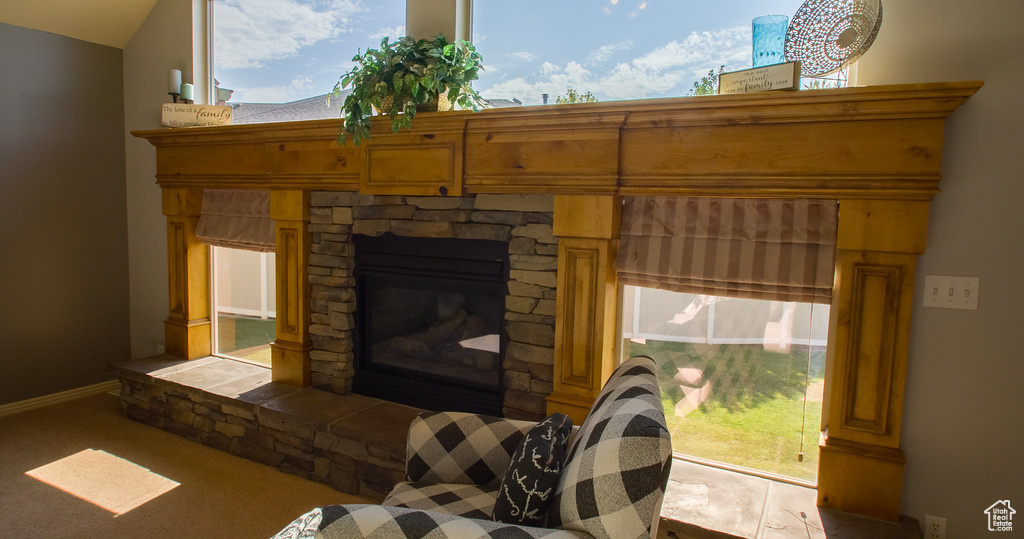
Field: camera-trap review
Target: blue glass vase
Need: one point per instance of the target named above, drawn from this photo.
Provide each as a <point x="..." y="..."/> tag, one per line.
<point x="769" y="39"/>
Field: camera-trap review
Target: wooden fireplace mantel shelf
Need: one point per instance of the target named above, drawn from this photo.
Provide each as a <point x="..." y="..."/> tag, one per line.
<point x="877" y="150"/>
<point x="881" y="142"/>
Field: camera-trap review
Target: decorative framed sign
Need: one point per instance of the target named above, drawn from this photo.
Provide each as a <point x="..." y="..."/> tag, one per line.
<point x="785" y="76"/>
<point x="187" y="115"/>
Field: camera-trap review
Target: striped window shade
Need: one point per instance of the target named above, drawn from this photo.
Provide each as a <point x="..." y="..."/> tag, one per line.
<point x="236" y="218"/>
<point x="772" y="249"/>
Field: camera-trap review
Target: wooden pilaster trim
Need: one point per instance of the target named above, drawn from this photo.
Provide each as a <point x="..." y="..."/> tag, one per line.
<point x="587" y="300"/>
<point x="860" y="478"/>
<point x="290" y="361"/>
<point x="861" y="464"/>
<point x="187" y="329"/>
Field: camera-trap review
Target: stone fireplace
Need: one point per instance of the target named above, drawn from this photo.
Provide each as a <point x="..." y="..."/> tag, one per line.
<point x="529" y="175"/>
<point x="520" y="226"/>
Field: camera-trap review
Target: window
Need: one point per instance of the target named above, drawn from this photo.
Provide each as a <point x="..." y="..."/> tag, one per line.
<point x="729" y="297"/>
<point x="244" y="291"/>
<point x="613" y="49"/>
<point x="741" y="379"/>
<point x="277" y="60"/>
<point x="237" y="226"/>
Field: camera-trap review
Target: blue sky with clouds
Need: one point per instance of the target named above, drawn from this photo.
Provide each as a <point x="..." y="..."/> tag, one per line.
<point x="284" y="50"/>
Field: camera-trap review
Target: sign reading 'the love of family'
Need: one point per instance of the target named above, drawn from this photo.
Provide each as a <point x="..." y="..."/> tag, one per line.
<point x="188" y="115"/>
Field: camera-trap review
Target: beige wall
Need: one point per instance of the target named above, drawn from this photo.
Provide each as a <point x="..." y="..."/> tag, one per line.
<point x="963" y="426"/>
<point x="425" y="19"/>
<point x="163" y="42"/>
<point x="63" y="246"/>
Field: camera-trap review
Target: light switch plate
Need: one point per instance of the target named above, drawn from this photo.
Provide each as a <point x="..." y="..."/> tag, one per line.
<point x="951" y="292"/>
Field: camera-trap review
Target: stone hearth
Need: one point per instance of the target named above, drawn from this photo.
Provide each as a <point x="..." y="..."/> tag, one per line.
<point x="354" y="443"/>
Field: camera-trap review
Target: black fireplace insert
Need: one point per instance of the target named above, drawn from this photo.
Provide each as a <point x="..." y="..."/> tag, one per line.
<point x="430" y="321"/>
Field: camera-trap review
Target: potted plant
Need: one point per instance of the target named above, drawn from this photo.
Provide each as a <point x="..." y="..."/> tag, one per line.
<point x="406" y="76"/>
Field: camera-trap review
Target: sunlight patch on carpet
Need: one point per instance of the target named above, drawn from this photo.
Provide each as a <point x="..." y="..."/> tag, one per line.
<point x="104" y="480"/>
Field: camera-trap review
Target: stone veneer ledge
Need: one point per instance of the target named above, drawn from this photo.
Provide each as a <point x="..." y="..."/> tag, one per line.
<point x="354" y="443"/>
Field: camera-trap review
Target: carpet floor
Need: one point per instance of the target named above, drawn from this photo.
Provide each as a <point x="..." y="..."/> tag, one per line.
<point x="81" y="469"/>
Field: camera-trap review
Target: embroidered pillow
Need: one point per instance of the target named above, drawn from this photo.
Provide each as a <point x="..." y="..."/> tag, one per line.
<point x="529" y="484"/>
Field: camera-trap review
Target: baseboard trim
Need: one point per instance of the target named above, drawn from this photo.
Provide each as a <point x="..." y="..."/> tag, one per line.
<point x="56" y="398"/>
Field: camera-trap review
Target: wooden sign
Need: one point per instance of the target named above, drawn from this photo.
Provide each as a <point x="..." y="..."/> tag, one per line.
<point x="187" y="115"/>
<point x="784" y="76"/>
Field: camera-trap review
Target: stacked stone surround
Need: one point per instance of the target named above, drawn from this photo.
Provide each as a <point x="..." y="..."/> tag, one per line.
<point x="524" y="222"/>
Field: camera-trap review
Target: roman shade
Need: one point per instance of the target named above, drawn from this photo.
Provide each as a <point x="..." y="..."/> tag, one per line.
<point x="773" y="249"/>
<point x="236" y="218"/>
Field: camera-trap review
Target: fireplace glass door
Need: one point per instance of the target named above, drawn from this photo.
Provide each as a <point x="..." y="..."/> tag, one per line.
<point x="429" y="321"/>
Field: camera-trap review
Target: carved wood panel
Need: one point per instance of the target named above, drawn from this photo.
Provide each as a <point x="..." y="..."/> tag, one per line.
<point x="871" y="347"/>
<point x="578" y="284"/>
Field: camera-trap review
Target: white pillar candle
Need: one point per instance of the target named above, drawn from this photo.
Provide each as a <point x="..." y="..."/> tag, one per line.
<point x="186" y="91"/>
<point x="174" y="81"/>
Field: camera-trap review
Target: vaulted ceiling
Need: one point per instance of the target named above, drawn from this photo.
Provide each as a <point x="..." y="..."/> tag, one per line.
<point x="106" y="22"/>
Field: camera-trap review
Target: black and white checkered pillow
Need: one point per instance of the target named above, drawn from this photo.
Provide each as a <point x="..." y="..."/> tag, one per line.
<point x="456" y="447"/>
<point x="618" y="465"/>
<point x="529" y="485"/>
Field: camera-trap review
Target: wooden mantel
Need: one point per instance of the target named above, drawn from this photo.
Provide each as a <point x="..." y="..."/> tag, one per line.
<point x="877" y="150"/>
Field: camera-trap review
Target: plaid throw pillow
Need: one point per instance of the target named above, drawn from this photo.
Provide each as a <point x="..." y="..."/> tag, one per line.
<point x="618" y="465"/>
<point x="529" y="484"/>
<point x="456" y="447"/>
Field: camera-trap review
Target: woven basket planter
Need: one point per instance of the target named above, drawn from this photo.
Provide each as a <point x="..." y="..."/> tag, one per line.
<point x="439" y="104"/>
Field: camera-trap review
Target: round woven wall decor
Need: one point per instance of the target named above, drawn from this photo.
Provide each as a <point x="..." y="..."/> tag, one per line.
<point x="825" y="35"/>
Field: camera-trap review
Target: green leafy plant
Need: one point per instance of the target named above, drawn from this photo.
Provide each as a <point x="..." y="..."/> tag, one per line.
<point x="572" y="96"/>
<point x="411" y="74"/>
<point x="707" y="85"/>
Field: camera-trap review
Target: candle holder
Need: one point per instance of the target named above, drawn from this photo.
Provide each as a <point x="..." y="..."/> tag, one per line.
<point x="176" y="98"/>
<point x="187" y="92"/>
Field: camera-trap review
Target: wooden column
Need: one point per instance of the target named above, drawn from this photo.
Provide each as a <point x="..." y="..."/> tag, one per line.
<point x="187" y="329"/>
<point x="290" y="350"/>
<point x="861" y="463"/>
<point x="587" y="302"/>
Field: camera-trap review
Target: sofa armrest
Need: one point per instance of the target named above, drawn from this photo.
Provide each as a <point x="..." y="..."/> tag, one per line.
<point x="458" y="447"/>
<point x="378" y="521"/>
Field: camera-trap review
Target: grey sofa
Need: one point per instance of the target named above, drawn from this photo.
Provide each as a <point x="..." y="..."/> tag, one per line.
<point x="611" y="485"/>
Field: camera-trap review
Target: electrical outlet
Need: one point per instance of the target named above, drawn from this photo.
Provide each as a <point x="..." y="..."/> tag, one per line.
<point x="934" y="527"/>
<point x="951" y="292"/>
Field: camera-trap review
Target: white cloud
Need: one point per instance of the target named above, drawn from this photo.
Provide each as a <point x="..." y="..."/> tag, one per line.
<point x="299" y="88"/>
<point x="547" y="68"/>
<point x="604" y="52"/>
<point x="668" y="70"/>
<point x="722" y="47"/>
<point x="556" y="80"/>
<point x="250" y="33"/>
<point x="521" y="55"/>
<point x="393" y="32"/>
